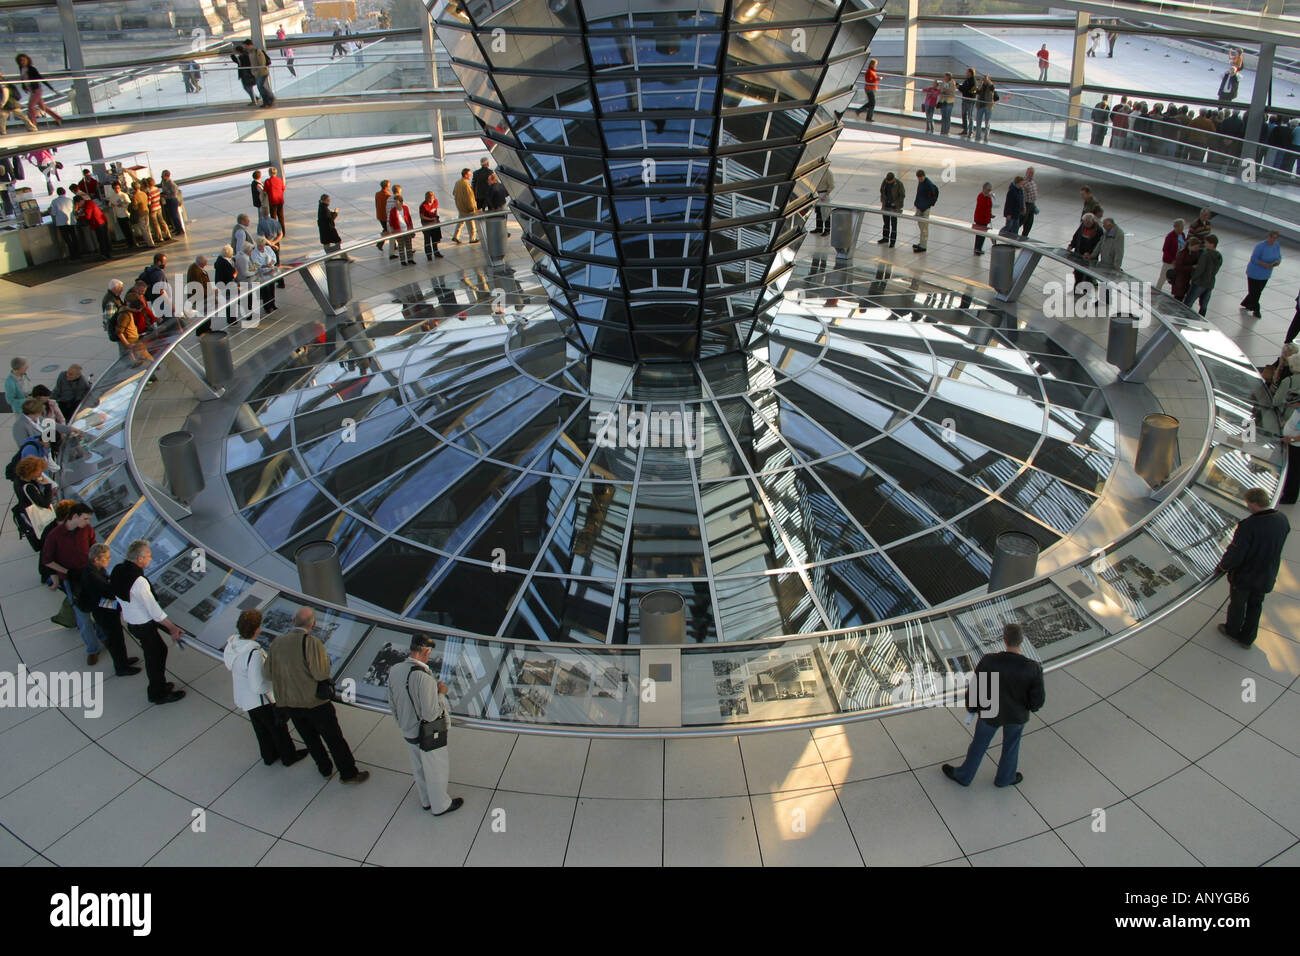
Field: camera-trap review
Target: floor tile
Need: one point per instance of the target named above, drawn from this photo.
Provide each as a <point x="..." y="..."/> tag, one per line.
<point x="1045" y="849"/>
<point x="1107" y="672"/>
<point x="858" y="751"/>
<point x="159" y="731"/>
<point x="59" y="799"/>
<point x="549" y="765"/>
<point x="929" y="736"/>
<point x="285" y="853"/>
<point x="523" y="829"/>
<point x="346" y="819"/>
<point x="895" y="823"/>
<point x="629" y="769"/>
<point x="1240" y="835"/>
<point x="478" y="757"/>
<point x="129" y="830"/>
<point x="1261" y="772"/>
<point x="415" y="837"/>
<point x="703" y="767"/>
<point x="36" y="745"/>
<point x="1220" y="683"/>
<point x="1128" y="755"/>
<point x="804" y="828"/>
<point x="205" y="768"/>
<point x="717" y="831"/>
<point x="269" y="798"/>
<point x="222" y="842"/>
<point x="982" y="815"/>
<point x="1180" y="719"/>
<point x="782" y="761"/>
<point x="620" y="832"/>
<point x="1124" y="835"/>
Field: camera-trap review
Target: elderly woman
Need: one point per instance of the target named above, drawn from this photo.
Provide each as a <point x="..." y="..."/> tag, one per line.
<point x="1288" y="388"/>
<point x="18" y="387"/>
<point x="1082" y="244"/>
<point x="1184" y="263"/>
<point x="1175" y="239"/>
<point x="70" y="390"/>
<point x="244" y="275"/>
<point x="265" y="266"/>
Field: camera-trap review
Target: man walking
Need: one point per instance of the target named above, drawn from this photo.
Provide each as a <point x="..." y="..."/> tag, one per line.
<point x="143" y="617"/>
<point x="416" y="696"/>
<point x="1251" y="563"/>
<point x="466" y="205"/>
<point x="1030" y="189"/>
<point x="1266" y="257"/>
<point x="298" y="665"/>
<point x="1012" y="687"/>
<point x="927" y="194"/>
<point x="1203" y="273"/>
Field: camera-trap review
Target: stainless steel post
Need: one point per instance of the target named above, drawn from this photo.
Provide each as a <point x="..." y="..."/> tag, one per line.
<point x="181" y="467"/>
<point x="663" y="617"/>
<point x="320" y="575"/>
<point x="1015" y="559"/>
<point x="1157" y="448"/>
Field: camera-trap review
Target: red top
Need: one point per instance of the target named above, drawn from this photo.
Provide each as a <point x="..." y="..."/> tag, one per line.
<point x="68" y="548"/>
<point x="429" y="211"/>
<point x="89" y="185"/>
<point x="1043" y="56"/>
<point x="93" y="216"/>
<point x="983" y="209"/>
<point x="274" y="187"/>
<point x="1170" y="251"/>
<point x="401" y="213"/>
<point x="872" y="79"/>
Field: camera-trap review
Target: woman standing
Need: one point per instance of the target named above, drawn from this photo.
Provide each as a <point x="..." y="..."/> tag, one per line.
<point x="1184" y="263"/>
<point x="967" y="88"/>
<point x="983" y="216"/>
<point x="244" y="276"/>
<point x="1175" y="239"/>
<point x="947" y="97"/>
<point x="325" y="223"/>
<point x="265" y="266"/>
<point x="399" y="221"/>
<point x="429" y="220"/>
<point x="931" y="101"/>
<point x="32" y="83"/>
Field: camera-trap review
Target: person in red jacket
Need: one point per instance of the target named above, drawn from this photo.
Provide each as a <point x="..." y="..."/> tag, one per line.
<point x="983" y="215"/>
<point x="274" y="187"/>
<point x="870" y="83"/>
<point x="432" y="231"/>
<point x="399" y="220"/>
<point x="1175" y="239"/>
<point x="89" y="212"/>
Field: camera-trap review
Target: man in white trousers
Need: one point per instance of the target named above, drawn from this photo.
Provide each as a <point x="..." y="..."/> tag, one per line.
<point x="414" y="694"/>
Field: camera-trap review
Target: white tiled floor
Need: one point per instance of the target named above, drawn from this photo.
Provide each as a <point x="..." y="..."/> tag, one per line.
<point x="1137" y="749"/>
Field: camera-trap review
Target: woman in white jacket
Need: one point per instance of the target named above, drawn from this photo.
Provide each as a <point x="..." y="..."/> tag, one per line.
<point x="246" y="662"/>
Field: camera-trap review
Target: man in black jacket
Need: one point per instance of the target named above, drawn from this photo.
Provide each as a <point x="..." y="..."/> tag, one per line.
<point x="479" y="183"/>
<point x="1251" y="562"/>
<point x="1011" y="686"/>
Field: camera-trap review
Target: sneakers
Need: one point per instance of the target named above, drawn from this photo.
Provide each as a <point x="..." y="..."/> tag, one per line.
<point x="361" y="777"/>
<point x="456" y="804"/>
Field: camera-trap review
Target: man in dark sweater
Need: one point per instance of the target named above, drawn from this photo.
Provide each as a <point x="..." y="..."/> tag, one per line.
<point x="1012" y="687"/>
<point x="1251" y="562"/>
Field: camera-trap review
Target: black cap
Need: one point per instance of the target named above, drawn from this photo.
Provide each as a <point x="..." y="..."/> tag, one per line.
<point x="420" y="640"/>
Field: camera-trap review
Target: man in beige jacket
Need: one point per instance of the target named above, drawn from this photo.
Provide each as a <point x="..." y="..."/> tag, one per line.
<point x="298" y="661"/>
<point x="463" y="194"/>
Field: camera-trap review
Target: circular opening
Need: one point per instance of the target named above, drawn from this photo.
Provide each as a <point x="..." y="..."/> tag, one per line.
<point x="1160" y="420"/>
<point x="316" y="551"/>
<point x="662" y="602"/>
<point x="173" y="439"/>
<point x="1017" y="543"/>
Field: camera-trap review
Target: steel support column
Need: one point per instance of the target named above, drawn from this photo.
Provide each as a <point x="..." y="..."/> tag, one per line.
<point x="85" y="106"/>
<point x="911" y="30"/>
<point x="258" y="35"/>
<point x="429" y="45"/>
<point x="1259" y="98"/>
<point x="1082" y="22"/>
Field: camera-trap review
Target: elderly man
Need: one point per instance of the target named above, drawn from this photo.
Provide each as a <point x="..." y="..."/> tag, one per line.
<point x="265" y="265"/>
<point x="298" y="665"/>
<point x="1251" y="562"/>
<point x="242" y="233"/>
<point x="197" y="281"/>
<point x="268" y="228"/>
<point x="416" y="696"/>
<point x="144" y="618"/>
<point x="1030" y="189"/>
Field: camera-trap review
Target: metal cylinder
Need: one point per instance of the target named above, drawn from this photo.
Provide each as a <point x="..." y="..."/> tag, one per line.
<point x="180" y="460"/>
<point x="1002" y="266"/>
<point x="494" y="237"/>
<point x="846" y="225"/>
<point x="663" y="617"/>
<point x="1015" y="559"/>
<point x="1157" y="448"/>
<point x="218" y="365"/>
<point x="1122" y="343"/>
<point x="320" y="575"/>
<point x="338" y="280"/>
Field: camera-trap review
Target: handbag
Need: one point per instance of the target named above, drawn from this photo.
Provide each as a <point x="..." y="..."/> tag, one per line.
<point x="41" y="518"/>
<point x="433" y="733"/>
<point x="324" y="688"/>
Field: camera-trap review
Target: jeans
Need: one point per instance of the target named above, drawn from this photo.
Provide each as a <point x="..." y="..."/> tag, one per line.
<point x="264" y="88"/>
<point x="871" y="105"/>
<point x="891" y="230"/>
<point x="1244" y="608"/>
<point x="945" y="110"/>
<point x="967" y="108"/>
<point x="85" y="622"/>
<point x="983" y="118"/>
<point x="929" y="119"/>
<point x="319" y="728"/>
<point x="979" y="745"/>
<point x="1199" y="295"/>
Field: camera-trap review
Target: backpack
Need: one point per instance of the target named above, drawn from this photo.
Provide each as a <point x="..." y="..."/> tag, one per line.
<point x="109" y="321"/>
<point x="32" y="441"/>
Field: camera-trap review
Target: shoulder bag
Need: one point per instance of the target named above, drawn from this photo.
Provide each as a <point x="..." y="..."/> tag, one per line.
<point x="324" y="688"/>
<point x="433" y="733"/>
<point x="41" y="518"/>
